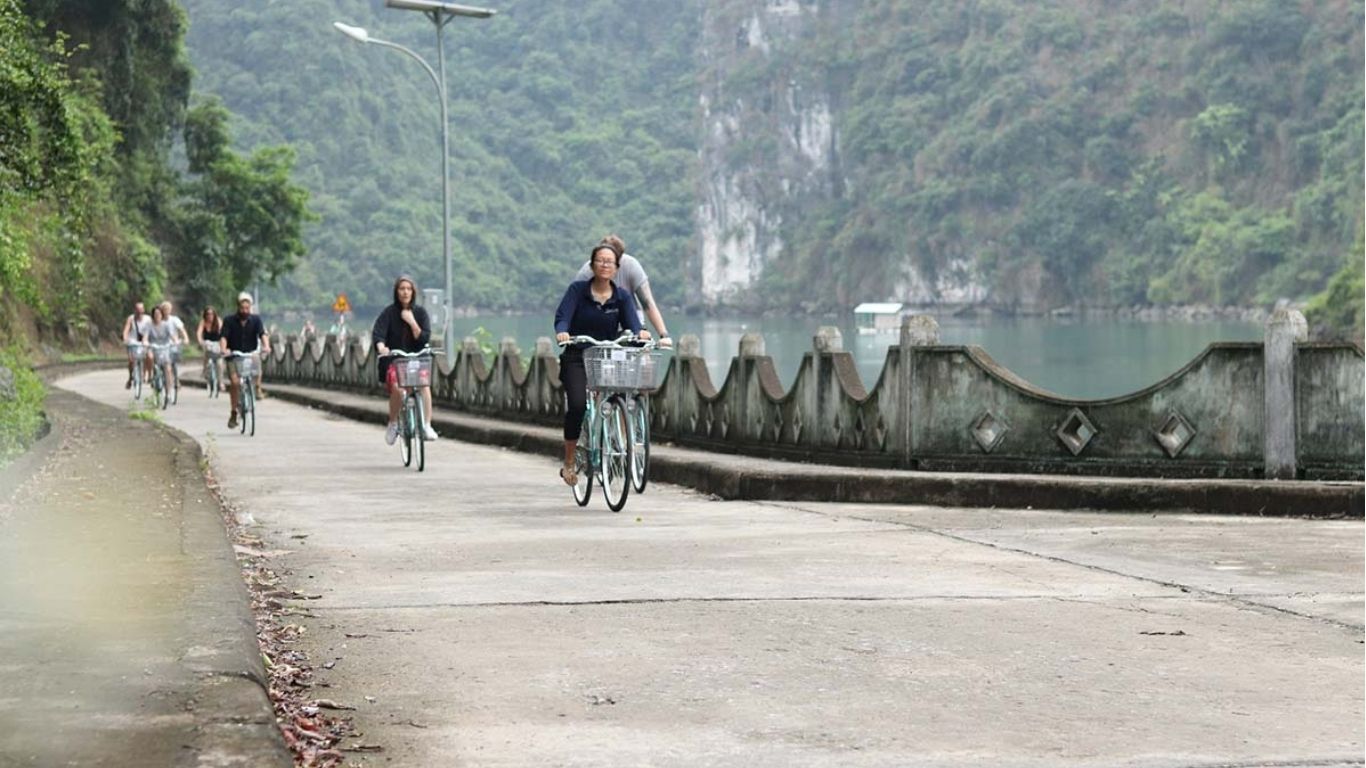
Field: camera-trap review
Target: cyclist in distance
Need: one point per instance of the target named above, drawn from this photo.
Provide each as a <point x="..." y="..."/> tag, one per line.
<point x="599" y="308"/>
<point x="631" y="276"/>
<point x="179" y="337"/>
<point x="243" y="332"/>
<point x="160" y="331"/>
<point x="209" y="333"/>
<point x="135" y="331"/>
<point x="405" y="326"/>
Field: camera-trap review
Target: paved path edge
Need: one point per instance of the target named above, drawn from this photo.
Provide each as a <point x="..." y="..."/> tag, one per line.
<point x="735" y="478"/>
<point x="234" y="719"/>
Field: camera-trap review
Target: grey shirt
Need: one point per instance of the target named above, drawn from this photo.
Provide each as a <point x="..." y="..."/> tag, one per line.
<point x="630" y="275"/>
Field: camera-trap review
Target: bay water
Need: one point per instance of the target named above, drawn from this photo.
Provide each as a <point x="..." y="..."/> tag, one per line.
<point x="1082" y="358"/>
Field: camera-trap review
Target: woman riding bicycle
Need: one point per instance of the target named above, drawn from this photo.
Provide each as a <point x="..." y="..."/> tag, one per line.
<point x="598" y="308"/>
<point x="209" y="334"/>
<point x="162" y="333"/>
<point x="403" y="326"/>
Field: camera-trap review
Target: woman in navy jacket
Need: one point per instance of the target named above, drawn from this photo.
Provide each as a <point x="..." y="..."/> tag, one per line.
<point x="599" y="308"/>
<point x="404" y="326"/>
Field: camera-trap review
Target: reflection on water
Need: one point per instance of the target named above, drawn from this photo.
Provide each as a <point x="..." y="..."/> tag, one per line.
<point x="1090" y="358"/>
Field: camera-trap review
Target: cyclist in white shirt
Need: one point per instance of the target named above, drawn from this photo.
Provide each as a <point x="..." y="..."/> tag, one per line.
<point x="135" y="328"/>
<point x="631" y="276"/>
<point x="179" y="336"/>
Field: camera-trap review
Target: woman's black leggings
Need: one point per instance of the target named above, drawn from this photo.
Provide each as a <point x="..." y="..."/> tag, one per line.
<point x="574" y="379"/>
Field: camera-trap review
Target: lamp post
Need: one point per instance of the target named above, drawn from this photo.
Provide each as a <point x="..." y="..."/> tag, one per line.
<point x="441" y="14"/>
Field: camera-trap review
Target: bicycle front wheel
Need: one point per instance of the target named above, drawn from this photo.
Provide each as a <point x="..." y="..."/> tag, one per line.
<point x="420" y="432"/>
<point x="248" y="408"/>
<point x="616" y="454"/>
<point x="583" y="466"/>
<point x="174" y="387"/>
<point x="640" y="443"/>
<point x="137" y="381"/>
<point x="163" y="397"/>
<point x="405" y="432"/>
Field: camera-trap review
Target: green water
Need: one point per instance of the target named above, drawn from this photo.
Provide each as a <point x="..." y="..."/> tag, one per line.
<point x="1089" y="358"/>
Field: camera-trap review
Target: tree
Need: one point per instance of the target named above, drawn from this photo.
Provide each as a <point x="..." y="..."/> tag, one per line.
<point x="241" y="218"/>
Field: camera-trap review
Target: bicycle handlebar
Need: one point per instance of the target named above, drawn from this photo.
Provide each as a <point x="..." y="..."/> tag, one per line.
<point x="635" y="342"/>
<point x="424" y="352"/>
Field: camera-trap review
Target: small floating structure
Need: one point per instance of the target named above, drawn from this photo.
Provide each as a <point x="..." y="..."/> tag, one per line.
<point x="876" y="317"/>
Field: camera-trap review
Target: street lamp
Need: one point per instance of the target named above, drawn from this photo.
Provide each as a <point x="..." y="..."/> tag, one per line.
<point x="441" y="14"/>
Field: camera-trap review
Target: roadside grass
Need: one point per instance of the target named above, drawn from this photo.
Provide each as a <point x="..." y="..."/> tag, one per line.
<point x="21" y="410"/>
<point x="145" y="412"/>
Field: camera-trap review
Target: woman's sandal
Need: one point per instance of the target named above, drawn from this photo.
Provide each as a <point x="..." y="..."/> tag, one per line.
<point x="569" y="476"/>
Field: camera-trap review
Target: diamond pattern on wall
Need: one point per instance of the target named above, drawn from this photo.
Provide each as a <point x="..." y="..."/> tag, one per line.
<point x="1076" y="432"/>
<point x="989" y="430"/>
<point x="1174" y="434"/>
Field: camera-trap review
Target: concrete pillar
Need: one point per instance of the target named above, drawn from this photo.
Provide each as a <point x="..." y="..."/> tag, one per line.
<point x="1284" y="329"/>
<point x="817" y="424"/>
<point x="682" y="395"/>
<point x="749" y="395"/>
<point x="916" y="331"/>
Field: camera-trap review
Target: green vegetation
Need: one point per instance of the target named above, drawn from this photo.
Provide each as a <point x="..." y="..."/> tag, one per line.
<point x="1065" y="152"/>
<point x="568" y="121"/>
<point x="1095" y="153"/>
<point x="21" y="415"/>
<point x="1340" y="311"/>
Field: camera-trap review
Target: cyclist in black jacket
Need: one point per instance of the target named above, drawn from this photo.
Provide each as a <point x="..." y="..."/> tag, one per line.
<point x="404" y="326"/>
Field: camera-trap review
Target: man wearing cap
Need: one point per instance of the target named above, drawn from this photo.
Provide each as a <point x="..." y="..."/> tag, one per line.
<point x="243" y="332"/>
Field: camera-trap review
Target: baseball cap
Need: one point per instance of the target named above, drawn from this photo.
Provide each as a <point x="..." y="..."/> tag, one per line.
<point x="244" y="296"/>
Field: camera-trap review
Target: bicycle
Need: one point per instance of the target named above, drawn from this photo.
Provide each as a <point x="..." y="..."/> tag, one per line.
<point x="413" y="372"/>
<point x="162" y="356"/>
<point x="614" y="373"/>
<point x="246" y="397"/>
<point x="212" y="355"/>
<point x="638" y="420"/>
<point x="135" y="348"/>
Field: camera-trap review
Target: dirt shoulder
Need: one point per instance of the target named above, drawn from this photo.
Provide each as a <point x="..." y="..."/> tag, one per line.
<point x="124" y="623"/>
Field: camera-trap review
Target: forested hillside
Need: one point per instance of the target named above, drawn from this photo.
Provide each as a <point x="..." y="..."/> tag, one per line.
<point x="94" y="96"/>
<point x="1086" y="152"/>
<point x="568" y="120"/>
<point x="1028" y="154"/>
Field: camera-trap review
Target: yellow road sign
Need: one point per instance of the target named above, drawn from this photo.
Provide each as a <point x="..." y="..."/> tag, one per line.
<point x="341" y="304"/>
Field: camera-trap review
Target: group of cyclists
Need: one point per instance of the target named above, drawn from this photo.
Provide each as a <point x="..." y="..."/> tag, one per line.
<point x="606" y="298"/>
<point x="143" y="333"/>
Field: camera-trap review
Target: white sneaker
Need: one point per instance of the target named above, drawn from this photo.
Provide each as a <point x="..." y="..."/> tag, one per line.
<point x="391" y="434"/>
<point x="428" y="433"/>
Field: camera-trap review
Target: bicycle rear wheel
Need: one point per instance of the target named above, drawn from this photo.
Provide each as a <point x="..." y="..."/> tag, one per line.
<point x="640" y="442"/>
<point x="616" y="454"/>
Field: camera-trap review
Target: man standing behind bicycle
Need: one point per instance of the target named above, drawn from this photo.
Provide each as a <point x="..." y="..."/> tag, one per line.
<point x="599" y="308"/>
<point x="403" y="326"/>
<point x="243" y="332"/>
<point x="631" y="276"/>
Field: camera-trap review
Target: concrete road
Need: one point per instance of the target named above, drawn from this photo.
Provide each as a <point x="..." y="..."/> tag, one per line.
<point x="477" y="617"/>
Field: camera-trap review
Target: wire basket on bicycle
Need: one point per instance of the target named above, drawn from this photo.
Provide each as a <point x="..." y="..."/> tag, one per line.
<point x="413" y="371"/>
<point x="615" y="369"/>
<point x="245" y="364"/>
<point x="162" y="354"/>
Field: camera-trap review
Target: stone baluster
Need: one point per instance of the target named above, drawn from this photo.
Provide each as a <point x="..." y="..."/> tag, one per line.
<point x="747" y="418"/>
<point x="916" y="331"/>
<point x="820" y="401"/>
<point x="466" y="393"/>
<point x="539" y="389"/>
<point x="509" y="355"/>
<point x="683" y="395"/>
<point x="1284" y="329"/>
